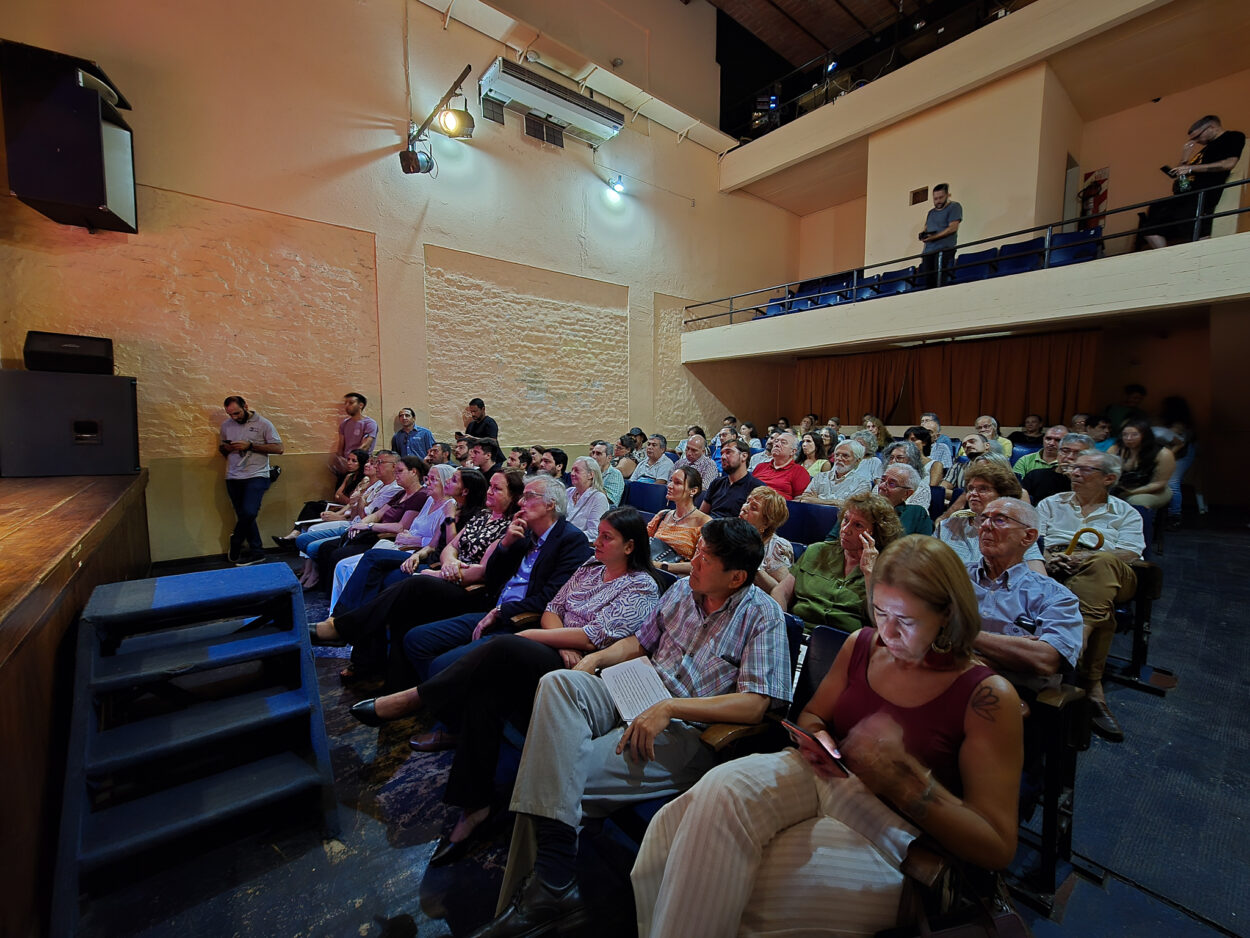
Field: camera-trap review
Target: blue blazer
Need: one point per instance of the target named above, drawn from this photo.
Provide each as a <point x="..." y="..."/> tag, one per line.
<point x="565" y="549"/>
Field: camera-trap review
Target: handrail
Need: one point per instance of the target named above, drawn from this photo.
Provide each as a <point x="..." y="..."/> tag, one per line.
<point x="856" y="275"/>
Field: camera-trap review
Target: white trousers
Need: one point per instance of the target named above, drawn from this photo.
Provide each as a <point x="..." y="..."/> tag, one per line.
<point x="762" y="846"/>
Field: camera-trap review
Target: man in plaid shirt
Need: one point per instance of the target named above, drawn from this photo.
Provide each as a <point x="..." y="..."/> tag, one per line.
<point x="719" y="645"/>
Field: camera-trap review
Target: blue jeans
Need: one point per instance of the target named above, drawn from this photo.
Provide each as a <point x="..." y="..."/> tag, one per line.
<point x="434" y="646"/>
<point x="310" y="541"/>
<point x="245" y="496"/>
<point x="1174" y="483"/>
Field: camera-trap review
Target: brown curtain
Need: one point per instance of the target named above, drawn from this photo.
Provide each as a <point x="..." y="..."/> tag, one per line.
<point x="1052" y="375"/>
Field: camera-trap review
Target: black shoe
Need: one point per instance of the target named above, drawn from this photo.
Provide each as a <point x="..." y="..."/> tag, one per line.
<point x="1103" y="722"/>
<point x="328" y="642"/>
<point x="535" y="908"/>
<point x="367" y="714"/>
<point x="449" y="851"/>
<point x="285" y="543"/>
<point x="248" y="557"/>
<point x="234" y="552"/>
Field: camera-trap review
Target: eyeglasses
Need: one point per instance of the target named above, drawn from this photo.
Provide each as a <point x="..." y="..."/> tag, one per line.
<point x="526" y="496"/>
<point x="893" y="484"/>
<point x="1081" y="470"/>
<point x="1001" y="522"/>
<point x="1072" y="450"/>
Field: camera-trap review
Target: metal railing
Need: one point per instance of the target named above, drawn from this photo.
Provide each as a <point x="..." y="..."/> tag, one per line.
<point x="843" y="287"/>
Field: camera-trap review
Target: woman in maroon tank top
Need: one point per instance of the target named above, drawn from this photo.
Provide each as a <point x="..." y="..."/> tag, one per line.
<point x="788" y="841"/>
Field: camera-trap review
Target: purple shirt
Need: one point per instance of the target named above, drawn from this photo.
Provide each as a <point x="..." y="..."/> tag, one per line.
<point x="354" y="431"/>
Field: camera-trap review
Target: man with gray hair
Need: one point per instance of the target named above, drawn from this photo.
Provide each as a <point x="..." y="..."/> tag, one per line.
<point x="655" y="466"/>
<point x="1051" y="480"/>
<point x="898" y="482"/>
<point x="782" y="473"/>
<point x="1099" y="574"/>
<point x="843" y="480"/>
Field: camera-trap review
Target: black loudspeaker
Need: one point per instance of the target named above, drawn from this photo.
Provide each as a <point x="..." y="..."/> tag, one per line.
<point x="67" y="424"/>
<point x="70" y="154"/>
<point x="81" y="354"/>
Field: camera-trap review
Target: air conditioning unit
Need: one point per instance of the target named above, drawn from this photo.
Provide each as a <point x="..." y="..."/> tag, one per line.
<point x="525" y="90"/>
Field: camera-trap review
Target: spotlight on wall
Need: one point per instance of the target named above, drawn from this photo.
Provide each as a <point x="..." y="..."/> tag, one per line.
<point x="617" y="183"/>
<point x="412" y="160"/>
<point x="415" y="161"/>
<point x="454" y="123"/>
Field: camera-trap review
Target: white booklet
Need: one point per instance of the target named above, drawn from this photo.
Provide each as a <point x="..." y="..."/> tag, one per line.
<point x="634" y="685"/>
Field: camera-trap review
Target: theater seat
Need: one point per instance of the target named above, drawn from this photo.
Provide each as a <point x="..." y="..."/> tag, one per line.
<point x="1075" y="247"/>
<point x="896" y="281"/>
<point x="1020" y="256"/>
<point x="973" y="265"/>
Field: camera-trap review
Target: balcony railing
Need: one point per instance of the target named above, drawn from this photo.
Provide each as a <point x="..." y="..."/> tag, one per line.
<point x="1049" y="246"/>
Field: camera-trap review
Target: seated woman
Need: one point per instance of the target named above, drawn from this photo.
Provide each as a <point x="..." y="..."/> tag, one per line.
<point x="1147" y="466"/>
<point x="812" y="453"/>
<point x="766" y="511"/>
<point x="587" y="499"/>
<point x="413" y="531"/>
<point x="335" y="508"/>
<point x="960" y="527"/>
<point x="788" y="843"/>
<point x="909" y="455"/>
<point x="934" y="467"/>
<point x="876" y="426"/>
<point x="606" y="599"/>
<point x="828" y="585"/>
<point x="675" y="532"/>
<point x="334" y="523"/>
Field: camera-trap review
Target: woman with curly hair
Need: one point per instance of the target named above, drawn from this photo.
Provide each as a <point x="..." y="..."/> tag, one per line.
<point x="830" y="587"/>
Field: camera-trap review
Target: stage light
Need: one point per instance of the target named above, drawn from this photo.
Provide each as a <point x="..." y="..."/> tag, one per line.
<point x="415" y="161"/>
<point x="617" y="184"/>
<point x="454" y="123"/>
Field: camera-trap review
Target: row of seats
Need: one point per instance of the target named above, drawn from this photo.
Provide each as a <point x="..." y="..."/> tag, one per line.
<point x="1018" y="257"/>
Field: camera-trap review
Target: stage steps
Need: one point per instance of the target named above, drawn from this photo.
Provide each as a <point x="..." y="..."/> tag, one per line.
<point x="195" y="700"/>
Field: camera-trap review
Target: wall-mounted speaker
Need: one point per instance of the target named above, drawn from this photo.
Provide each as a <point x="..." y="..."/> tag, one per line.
<point x="70" y="153"/>
<point x="55" y="351"/>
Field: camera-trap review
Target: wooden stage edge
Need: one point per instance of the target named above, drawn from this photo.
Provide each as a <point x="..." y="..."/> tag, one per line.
<point x="59" y="539"/>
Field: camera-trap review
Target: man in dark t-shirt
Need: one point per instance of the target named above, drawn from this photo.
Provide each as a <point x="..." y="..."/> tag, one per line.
<point x="939" y="237"/>
<point x="476" y="423"/>
<point x="728" y="491"/>
<point x="1209" y="168"/>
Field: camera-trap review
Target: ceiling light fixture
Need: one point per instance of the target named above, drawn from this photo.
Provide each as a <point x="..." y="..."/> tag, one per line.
<point x="617" y="183"/>
<point x="412" y="160"/>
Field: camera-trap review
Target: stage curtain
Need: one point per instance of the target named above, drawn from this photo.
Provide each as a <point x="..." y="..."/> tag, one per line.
<point x="847" y="386"/>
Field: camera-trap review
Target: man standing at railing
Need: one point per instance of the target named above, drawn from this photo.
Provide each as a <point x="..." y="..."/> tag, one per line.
<point x="939" y="237"/>
<point x="1208" y="168"/>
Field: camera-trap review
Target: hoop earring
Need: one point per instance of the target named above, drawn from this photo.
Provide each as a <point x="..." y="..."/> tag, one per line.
<point x="942" y="644"/>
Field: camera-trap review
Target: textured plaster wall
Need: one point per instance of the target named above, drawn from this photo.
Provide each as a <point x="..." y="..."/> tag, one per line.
<point x="551" y="368"/>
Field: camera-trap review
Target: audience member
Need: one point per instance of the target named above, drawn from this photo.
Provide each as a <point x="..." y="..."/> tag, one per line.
<point x="937" y="457"/>
<point x="871" y="465"/>
<point x="605" y="600"/>
<point x="1078" y="423"/>
<point x="1101" y="433"/>
<point x="812" y="452"/>
<point x="655" y="466"/>
<point x="842" y="481"/>
<point x="785" y="843"/>
<point x="1177" y="424"/>
<point x="765" y="454"/>
<point x="782" y="423"/>
<point x="696" y="455"/>
<point x="729" y="420"/>
<point x="438" y="453"/>
<point x="1029" y="434"/>
<point x="746" y="430"/>
<point x="933" y="424"/>
<point x="553" y="462"/>
<point x="336" y="508"/>
<point x="623" y="456"/>
<point x="766" y="511"/>
<point x="1147" y="466"/>
<point x="972" y="447"/>
<point x="587" y="499"/>
<point x="1099" y="577"/>
<point x="518" y="458"/>
<point x="356" y="431"/>
<point x="640" y="443"/>
<point x="460" y="452"/>
<point x="1210" y="155"/>
<point x="828" y="584"/>
<point x="675" y="532"/>
<point x="1045" y="482"/>
<point x="879" y="430"/>
<point x="613" y="481"/>
<point x="908" y="454"/>
<point x="987" y="426"/>
<point x="485" y="455"/>
<point x="1128" y="409"/>
<point x="475" y="421"/>
<point x="782" y="472"/>
<point x="898" y="483"/>
<point x="727" y="492"/>
<point x="410" y="439"/>
<point x="369" y="503"/>
<point x="1045" y="458"/>
<point x="960" y="527"/>
<point x="939" y="237"/>
<point x="579" y="760"/>
<point x="247" y="442"/>
<point x="723" y="436"/>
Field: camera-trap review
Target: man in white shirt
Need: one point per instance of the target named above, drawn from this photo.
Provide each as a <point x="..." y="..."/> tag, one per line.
<point x="1100" y="577"/>
<point x="655" y="467"/>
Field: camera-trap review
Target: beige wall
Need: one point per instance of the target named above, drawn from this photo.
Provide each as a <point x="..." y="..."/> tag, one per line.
<point x="257" y="118"/>
<point x="832" y="240"/>
<point x="985" y="144"/>
<point x="1060" y="137"/>
<point x="1134" y="143"/>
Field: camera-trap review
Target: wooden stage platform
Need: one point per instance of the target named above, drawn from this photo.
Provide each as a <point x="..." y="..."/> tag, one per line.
<point x="59" y="539"/>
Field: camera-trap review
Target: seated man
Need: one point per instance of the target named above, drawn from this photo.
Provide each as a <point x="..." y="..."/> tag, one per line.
<point x="898" y="482"/>
<point x="728" y="493"/>
<point x="554" y="462"/>
<point x="1051" y="480"/>
<point x="1045" y="458"/>
<point x="719" y="645"/>
<point x="943" y="446"/>
<point x="764" y="453"/>
<point x="987" y="426"/>
<point x="984" y="482"/>
<point x="1031" y="626"/>
<point x="655" y="466"/>
<point x="1101" y="432"/>
<point x="613" y="481"/>
<point x="843" y="480"/>
<point x="696" y="455"/>
<point x="970" y="447"/>
<point x="438" y="453"/>
<point x="1100" y="578"/>
<point x="782" y="473"/>
<point x="485" y="455"/>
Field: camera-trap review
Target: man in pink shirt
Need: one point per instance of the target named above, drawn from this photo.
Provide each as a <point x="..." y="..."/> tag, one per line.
<point x="782" y="473"/>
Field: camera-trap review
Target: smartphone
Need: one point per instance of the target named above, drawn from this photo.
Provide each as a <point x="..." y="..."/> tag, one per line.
<point x="806" y="740"/>
<point x="1166" y="170"/>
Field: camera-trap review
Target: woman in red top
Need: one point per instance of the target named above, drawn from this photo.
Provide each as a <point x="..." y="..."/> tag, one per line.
<point x="933" y="744"/>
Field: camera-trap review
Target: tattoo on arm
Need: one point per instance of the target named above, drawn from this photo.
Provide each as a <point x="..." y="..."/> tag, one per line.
<point x="985" y="702"/>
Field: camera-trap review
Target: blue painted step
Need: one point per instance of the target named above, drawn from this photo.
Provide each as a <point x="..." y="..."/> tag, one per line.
<point x="145" y="822"/>
<point x="120" y="671"/>
<point x="203" y="723"/>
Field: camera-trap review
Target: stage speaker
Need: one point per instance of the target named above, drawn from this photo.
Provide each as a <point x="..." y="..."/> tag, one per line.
<point x="67" y="425"/>
<point x="70" y="153"/>
<point x="54" y="351"/>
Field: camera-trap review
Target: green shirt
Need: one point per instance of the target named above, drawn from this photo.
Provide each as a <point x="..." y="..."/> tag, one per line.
<point x="1026" y="464"/>
<point x="915" y="520"/>
<point x="823" y="594"/>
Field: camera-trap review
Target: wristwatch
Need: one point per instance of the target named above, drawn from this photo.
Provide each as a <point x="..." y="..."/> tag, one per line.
<point x="664" y="565"/>
<point x="370" y="525"/>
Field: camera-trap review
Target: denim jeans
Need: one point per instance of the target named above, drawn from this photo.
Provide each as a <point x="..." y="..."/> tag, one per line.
<point x="245" y="496"/>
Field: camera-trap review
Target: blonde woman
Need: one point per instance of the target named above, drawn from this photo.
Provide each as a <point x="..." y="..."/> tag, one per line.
<point x="766" y="511"/>
<point x="587" y="499"/>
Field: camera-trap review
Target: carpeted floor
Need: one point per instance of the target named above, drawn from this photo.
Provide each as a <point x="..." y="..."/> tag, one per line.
<point x="1164" y="812"/>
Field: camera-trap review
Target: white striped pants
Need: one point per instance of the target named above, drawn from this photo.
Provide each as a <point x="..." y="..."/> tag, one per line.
<point x="762" y="846"/>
